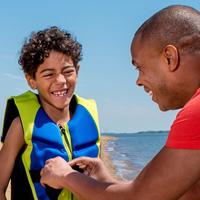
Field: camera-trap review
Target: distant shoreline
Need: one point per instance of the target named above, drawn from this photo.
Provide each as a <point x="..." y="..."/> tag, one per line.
<point x="132" y="133"/>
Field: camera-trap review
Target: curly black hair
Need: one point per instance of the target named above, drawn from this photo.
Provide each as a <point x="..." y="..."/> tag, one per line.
<point x="39" y="45"/>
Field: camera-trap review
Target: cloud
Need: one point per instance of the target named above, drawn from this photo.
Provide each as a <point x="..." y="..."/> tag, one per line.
<point x="13" y="76"/>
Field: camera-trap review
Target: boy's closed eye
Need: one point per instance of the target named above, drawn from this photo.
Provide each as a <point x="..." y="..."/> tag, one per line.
<point x="47" y="75"/>
<point x="68" y="71"/>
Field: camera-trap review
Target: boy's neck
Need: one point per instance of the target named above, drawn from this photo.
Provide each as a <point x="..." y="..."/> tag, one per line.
<point x="58" y="116"/>
<point x="62" y="121"/>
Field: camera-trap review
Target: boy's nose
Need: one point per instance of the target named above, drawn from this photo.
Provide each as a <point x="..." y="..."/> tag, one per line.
<point x="60" y="78"/>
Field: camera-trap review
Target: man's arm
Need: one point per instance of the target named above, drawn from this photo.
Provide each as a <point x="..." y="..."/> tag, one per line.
<point x="168" y="176"/>
<point x="193" y="193"/>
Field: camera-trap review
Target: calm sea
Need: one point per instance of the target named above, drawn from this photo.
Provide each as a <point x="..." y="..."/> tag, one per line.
<point x="132" y="151"/>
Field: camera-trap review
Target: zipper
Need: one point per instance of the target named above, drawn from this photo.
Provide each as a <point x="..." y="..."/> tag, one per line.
<point x="62" y="129"/>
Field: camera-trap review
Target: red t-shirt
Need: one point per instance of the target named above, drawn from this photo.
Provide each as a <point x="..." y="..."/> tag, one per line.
<point x="185" y="130"/>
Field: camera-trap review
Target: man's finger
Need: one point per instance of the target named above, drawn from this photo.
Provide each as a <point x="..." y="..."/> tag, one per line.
<point x="78" y="161"/>
<point x="81" y="160"/>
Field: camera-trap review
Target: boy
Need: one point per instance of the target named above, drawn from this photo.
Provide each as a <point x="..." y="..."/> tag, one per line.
<point x="54" y="122"/>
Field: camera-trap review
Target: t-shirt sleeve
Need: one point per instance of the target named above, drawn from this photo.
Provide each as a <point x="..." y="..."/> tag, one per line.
<point x="185" y="131"/>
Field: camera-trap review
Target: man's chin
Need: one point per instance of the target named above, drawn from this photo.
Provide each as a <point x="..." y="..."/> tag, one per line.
<point x="163" y="108"/>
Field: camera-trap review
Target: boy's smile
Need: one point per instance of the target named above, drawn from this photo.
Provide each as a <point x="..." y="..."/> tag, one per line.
<point x="60" y="93"/>
<point x="55" y="81"/>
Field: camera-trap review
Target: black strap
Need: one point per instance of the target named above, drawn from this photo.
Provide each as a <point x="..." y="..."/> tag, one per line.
<point x="35" y="175"/>
<point x="10" y="114"/>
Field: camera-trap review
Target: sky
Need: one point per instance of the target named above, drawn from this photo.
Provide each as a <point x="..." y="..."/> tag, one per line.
<point x="105" y="29"/>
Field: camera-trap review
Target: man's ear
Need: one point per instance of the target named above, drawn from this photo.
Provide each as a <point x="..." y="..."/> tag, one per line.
<point x="31" y="81"/>
<point x="171" y="56"/>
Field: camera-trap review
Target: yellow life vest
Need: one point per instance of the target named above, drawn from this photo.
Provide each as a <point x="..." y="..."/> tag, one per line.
<point x="45" y="139"/>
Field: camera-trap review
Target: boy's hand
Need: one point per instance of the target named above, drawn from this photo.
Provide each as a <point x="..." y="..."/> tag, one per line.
<point x="54" y="172"/>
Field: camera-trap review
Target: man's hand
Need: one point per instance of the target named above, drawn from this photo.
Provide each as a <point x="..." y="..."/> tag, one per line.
<point x="54" y="172"/>
<point x="93" y="167"/>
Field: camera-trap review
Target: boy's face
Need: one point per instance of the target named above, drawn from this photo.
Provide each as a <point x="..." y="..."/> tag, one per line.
<point x="55" y="80"/>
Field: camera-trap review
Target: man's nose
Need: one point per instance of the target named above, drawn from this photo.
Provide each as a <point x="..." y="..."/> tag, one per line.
<point x="138" y="82"/>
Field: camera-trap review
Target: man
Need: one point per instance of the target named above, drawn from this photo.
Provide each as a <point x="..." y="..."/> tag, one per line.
<point x="166" y="52"/>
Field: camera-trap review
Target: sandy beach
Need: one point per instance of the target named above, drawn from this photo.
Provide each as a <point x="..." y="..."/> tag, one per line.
<point x="104" y="155"/>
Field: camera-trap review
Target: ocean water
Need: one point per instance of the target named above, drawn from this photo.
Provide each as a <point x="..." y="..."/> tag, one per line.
<point x="132" y="151"/>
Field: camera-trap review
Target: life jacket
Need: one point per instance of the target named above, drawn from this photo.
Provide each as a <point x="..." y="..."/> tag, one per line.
<point x="44" y="139"/>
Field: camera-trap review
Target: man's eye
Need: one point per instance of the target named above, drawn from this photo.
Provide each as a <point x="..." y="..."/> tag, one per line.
<point x="138" y="68"/>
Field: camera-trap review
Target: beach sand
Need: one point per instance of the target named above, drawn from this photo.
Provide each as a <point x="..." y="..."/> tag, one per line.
<point x="104" y="155"/>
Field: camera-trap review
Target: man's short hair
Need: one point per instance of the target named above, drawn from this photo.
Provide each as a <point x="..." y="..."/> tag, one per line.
<point x="177" y="25"/>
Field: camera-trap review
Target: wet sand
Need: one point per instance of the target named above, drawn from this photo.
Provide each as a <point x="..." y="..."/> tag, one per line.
<point x="105" y="155"/>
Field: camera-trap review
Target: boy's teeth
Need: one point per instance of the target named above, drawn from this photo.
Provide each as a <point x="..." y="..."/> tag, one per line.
<point x="60" y="93"/>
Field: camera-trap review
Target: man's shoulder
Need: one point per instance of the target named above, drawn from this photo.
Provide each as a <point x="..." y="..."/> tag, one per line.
<point x="184" y="132"/>
<point x="192" y="108"/>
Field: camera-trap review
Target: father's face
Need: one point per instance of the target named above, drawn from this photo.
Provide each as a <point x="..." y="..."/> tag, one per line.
<point x="153" y="72"/>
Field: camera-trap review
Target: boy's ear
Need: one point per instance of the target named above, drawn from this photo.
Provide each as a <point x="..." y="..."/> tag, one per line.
<point x="31" y="81"/>
<point x="77" y="68"/>
<point x="172" y="57"/>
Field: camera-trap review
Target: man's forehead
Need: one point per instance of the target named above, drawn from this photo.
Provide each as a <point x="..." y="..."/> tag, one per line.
<point x="142" y="49"/>
<point x="136" y="49"/>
